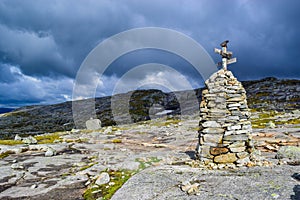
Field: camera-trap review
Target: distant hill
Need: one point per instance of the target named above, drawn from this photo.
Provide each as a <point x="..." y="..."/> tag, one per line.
<point x="5" y="110"/>
<point x="264" y="94"/>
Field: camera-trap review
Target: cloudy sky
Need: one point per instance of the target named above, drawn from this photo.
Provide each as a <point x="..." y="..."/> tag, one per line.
<point x="43" y="43"/>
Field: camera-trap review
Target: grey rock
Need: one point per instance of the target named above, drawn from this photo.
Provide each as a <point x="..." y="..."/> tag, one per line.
<point x="158" y="183"/>
<point x="93" y="124"/>
<point x="29" y="140"/>
<point x="243" y="161"/>
<point x="50" y="152"/>
<point x="213" y="130"/>
<point x="238" y="149"/>
<point x="213" y="138"/>
<point x="237" y="144"/>
<point x="17" y="166"/>
<point x="234" y="105"/>
<point x="18" y="138"/>
<point x="103" y="178"/>
<point x="211" y="124"/>
<point x="235" y="137"/>
<point x="236" y="127"/>
<point x="290" y="152"/>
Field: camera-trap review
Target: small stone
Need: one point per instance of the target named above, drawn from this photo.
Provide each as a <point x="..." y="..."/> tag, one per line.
<point x="111" y="183"/>
<point x="236" y="99"/>
<point x="243" y="162"/>
<point x="213" y="138"/>
<point x="205" y="152"/>
<point x="87" y="183"/>
<point x="229" y="133"/>
<point x="237" y="144"/>
<point x="234" y="105"/>
<point x="18" y="138"/>
<point x="211" y="104"/>
<point x="75" y="131"/>
<point x="238" y="132"/>
<point x="238" y="149"/>
<point x="218" y="111"/>
<point x="225" y="158"/>
<point x="17" y="166"/>
<point x="221" y="166"/>
<point x="50" y="152"/>
<point x="275" y="196"/>
<point x="103" y="178"/>
<point x="218" y="150"/>
<point x="34" y="186"/>
<point x="236" y="137"/>
<point x="236" y="127"/>
<point x="96" y="191"/>
<point x="233" y="118"/>
<point x="190" y="189"/>
<point x="213" y="130"/>
<point x="242" y="155"/>
<point x="230" y="166"/>
<point x="211" y="124"/>
<point x="246" y="126"/>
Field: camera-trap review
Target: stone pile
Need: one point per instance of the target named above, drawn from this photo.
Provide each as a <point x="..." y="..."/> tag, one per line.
<point x="225" y="127"/>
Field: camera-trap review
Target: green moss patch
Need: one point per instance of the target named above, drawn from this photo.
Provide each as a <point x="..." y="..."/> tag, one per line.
<point x="117" y="179"/>
<point x="10" y="142"/>
<point x="144" y="163"/>
<point x="106" y="191"/>
<point x="49" y="138"/>
<point x="3" y="155"/>
<point x="165" y="123"/>
<point x="116" y="141"/>
<point x="265" y="117"/>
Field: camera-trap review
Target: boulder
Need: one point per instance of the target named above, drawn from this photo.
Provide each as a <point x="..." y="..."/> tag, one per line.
<point x="289" y="152"/>
<point x="93" y="124"/>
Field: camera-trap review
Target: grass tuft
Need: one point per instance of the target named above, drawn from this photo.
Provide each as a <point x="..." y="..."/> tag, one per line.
<point x="10" y="142"/>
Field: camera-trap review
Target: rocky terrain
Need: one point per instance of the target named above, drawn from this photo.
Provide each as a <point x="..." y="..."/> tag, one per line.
<point x="152" y="156"/>
<point x="266" y="94"/>
<point x="146" y="160"/>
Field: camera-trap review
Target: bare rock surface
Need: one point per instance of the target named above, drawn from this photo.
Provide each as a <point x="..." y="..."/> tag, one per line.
<point x="164" y="182"/>
<point x="164" y="147"/>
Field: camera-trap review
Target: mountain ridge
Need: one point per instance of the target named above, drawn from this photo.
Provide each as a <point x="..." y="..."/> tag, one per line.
<point x="264" y="94"/>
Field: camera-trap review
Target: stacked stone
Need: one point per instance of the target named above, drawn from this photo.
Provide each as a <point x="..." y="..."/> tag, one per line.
<point x="225" y="127"/>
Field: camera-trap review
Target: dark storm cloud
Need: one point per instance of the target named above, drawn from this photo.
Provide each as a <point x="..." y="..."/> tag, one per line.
<point x="45" y="43"/>
<point x="17" y="89"/>
<point x="54" y="38"/>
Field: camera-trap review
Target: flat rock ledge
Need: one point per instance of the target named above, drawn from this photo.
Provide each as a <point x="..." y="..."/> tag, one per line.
<point x="167" y="182"/>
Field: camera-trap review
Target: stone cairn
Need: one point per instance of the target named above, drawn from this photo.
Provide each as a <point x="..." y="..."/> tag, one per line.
<point x="225" y="128"/>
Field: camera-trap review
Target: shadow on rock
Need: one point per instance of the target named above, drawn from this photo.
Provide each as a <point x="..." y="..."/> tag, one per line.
<point x="191" y="154"/>
<point x="296" y="189"/>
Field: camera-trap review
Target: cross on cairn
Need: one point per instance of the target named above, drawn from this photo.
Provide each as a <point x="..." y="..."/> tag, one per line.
<point x="226" y="55"/>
